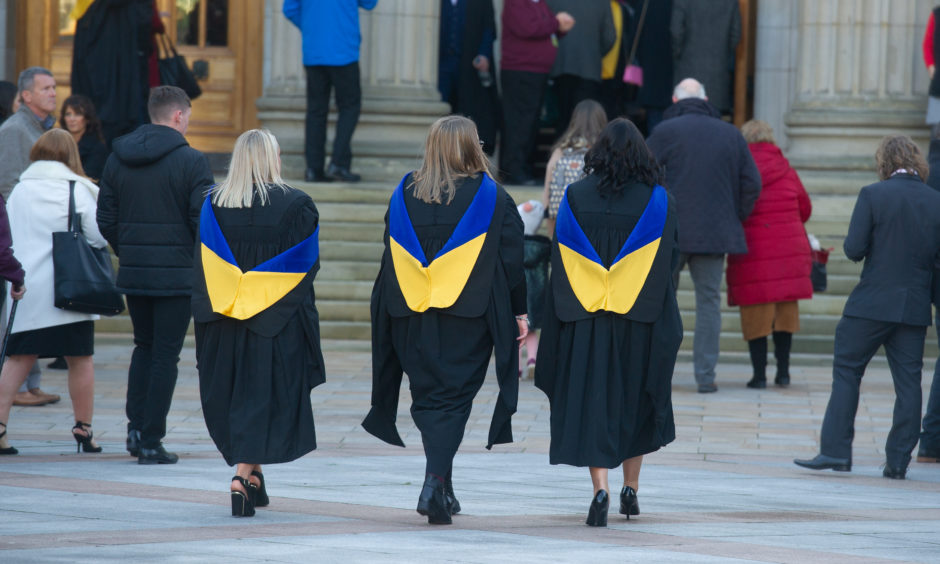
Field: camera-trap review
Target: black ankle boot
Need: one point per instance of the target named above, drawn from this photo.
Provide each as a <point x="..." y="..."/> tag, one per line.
<point x="452" y="504"/>
<point x="782" y="342"/>
<point x="432" y="501"/>
<point x="758" y="350"/>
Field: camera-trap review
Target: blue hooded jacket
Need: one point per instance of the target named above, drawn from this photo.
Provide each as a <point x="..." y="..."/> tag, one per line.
<point x="330" y="29"/>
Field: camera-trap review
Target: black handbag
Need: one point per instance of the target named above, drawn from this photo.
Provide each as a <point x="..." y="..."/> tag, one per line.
<point x="174" y="71"/>
<point x="84" y="278"/>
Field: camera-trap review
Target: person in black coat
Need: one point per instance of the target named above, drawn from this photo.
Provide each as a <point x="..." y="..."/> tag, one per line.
<point x="654" y="53"/>
<point x="79" y="118"/>
<point x="929" y="449"/>
<point x="607" y="355"/>
<point x="110" y="62"/>
<point x="466" y="67"/>
<point x="145" y="212"/>
<point x="257" y="360"/>
<point x="440" y="319"/>
<point x="895" y="229"/>
<point x="712" y="175"/>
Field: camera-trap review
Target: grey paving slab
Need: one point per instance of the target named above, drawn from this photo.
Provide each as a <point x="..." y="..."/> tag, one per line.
<point x="725" y="491"/>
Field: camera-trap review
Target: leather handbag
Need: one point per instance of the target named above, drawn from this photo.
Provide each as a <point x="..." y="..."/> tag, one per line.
<point x="633" y="73"/>
<point x="84" y="278"/>
<point x="174" y="71"/>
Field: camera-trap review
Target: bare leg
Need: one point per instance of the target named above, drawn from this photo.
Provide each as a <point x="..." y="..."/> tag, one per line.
<point x="599" y="478"/>
<point x="82" y="386"/>
<point x="631" y="472"/>
<point x="244" y="471"/>
<point x="254" y="479"/>
<point x="13" y="374"/>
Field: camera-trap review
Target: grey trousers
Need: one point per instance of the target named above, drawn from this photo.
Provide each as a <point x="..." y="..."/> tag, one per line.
<point x="856" y="342"/>
<point x="706" y="273"/>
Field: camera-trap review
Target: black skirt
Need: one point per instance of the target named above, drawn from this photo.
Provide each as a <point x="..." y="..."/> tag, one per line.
<point x="72" y="339"/>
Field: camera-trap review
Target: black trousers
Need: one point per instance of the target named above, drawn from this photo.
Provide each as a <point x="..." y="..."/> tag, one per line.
<point x="856" y="342"/>
<point x="522" y="103"/>
<point x="571" y="90"/>
<point x="344" y="82"/>
<point x="160" y="325"/>
<point x="930" y="437"/>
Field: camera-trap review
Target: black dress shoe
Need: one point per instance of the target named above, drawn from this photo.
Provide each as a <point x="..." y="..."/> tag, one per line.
<point x="133" y="442"/>
<point x="629" y="504"/>
<point x="823" y="462"/>
<point x="597" y="514"/>
<point x="157" y="455"/>
<point x="432" y="502"/>
<point x="757" y="383"/>
<point x="782" y="380"/>
<point x="452" y="504"/>
<point x="894" y="473"/>
<point x="312" y="175"/>
<point x="342" y="173"/>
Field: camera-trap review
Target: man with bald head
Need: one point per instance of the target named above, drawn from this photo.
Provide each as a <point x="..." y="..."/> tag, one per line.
<point x="712" y="176"/>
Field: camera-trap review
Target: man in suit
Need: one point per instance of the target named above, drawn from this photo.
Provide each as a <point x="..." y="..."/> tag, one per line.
<point x="895" y="227"/>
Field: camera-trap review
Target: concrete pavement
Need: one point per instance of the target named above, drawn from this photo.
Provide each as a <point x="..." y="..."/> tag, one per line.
<point x="724" y="491"/>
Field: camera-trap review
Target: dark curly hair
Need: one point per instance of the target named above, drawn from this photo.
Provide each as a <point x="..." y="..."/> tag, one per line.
<point x="620" y="156"/>
<point x="83" y="106"/>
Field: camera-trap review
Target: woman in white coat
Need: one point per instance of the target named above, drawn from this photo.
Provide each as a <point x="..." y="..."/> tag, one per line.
<point x="38" y="206"/>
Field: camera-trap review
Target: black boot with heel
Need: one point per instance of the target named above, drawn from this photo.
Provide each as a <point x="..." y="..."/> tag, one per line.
<point x="758" y="350"/>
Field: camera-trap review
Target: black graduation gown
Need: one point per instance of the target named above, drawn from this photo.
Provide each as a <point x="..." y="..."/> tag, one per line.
<point x="446" y="351"/>
<point x="608" y="376"/>
<point x="255" y="375"/>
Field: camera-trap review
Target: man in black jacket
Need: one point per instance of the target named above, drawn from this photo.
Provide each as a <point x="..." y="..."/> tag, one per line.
<point x="895" y="228"/>
<point x="712" y="176"/>
<point x="145" y="213"/>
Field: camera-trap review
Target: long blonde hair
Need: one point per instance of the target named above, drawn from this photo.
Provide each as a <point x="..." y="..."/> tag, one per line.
<point x="255" y="169"/>
<point x="58" y="145"/>
<point x="452" y="151"/>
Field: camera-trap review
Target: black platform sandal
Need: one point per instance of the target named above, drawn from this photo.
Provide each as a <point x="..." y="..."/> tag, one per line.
<point x="8" y="449"/>
<point x="243" y="503"/>
<point x="84" y="442"/>
<point x="261" y="495"/>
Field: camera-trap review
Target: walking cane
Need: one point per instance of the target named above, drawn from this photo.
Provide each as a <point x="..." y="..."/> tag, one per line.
<point x="6" y="336"/>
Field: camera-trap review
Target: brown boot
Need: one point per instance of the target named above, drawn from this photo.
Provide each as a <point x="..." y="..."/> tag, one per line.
<point x="28" y="399"/>
<point x="48" y="398"/>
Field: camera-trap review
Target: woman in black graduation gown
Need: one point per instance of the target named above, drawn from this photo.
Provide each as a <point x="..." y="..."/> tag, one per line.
<point x="613" y="328"/>
<point x="257" y="328"/>
<point x="450" y="291"/>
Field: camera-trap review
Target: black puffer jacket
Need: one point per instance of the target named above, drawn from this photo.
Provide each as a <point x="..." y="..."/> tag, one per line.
<point x="145" y="210"/>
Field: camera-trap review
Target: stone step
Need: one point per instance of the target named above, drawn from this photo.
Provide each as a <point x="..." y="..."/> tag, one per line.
<point x="347" y="290"/>
<point x="365" y="251"/>
<point x="351" y="231"/>
<point x="345" y="270"/>
<point x="353" y="212"/>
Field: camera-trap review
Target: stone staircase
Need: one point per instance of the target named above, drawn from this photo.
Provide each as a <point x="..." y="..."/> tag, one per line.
<point x="352" y="223"/>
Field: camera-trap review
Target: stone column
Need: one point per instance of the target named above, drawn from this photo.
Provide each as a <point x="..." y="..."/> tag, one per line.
<point x="858" y="75"/>
<point x="398" y="62"/>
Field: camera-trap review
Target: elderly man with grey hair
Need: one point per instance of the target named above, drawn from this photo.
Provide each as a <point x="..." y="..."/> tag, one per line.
<point x="711" y="174"/>
<point x="18" y="134"/>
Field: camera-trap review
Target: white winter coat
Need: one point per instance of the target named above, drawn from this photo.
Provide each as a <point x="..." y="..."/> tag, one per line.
<point x="39" y="206"/>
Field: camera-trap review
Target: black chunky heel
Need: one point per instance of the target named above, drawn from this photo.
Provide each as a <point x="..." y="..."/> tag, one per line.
<point x="84" y="441"/>
<point x="243" y="503"/>
<point x="261" y="495"/>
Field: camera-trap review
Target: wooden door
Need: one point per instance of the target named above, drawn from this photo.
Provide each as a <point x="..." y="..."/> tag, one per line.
<point x="744" y="64"/>
<point x="222" y="37"/>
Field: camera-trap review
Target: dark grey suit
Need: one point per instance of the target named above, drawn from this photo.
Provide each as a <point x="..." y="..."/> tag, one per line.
<point x="895" y="228"/>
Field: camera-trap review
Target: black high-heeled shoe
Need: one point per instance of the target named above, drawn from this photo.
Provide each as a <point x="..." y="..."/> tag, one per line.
<point x="597" y="514"/>
<point x="629" y="504"/>
<point x="84" y="441"/>
<point x="432" y="501"/>
<point x="243" y="502"/>
<point x="9" y="449"/>
<point x="261" y="495"/>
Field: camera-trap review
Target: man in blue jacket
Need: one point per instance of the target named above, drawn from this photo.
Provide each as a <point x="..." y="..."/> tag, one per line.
<point x="331" y="39"/>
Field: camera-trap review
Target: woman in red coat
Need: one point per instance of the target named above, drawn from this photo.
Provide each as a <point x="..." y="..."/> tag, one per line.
<point x="767" y="281"/>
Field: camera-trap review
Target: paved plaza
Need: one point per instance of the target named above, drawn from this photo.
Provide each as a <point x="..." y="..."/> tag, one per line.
<point x="724" y="491"/>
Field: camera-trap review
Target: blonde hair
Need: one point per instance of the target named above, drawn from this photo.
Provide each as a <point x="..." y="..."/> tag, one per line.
<point x="452" y="151"/>
<point x="899" y="152"/>
<point x="58" y="145"/>
<point x="255" y="168"/>
<point x="758" y="131"/>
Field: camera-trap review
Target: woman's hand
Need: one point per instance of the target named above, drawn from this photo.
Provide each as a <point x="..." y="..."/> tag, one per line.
<point x="16" y="292"/>
<point x="522" y="322"/>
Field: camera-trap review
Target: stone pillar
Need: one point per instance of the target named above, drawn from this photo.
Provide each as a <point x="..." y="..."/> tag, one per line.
<point x="858" y="75"/>
<point x="398" y="62"/>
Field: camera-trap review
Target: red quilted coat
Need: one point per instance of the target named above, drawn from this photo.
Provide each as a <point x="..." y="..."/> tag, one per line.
<point x="777" y="265"/>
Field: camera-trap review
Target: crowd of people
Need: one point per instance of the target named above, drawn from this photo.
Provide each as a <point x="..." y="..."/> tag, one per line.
<point x="626" y="212"/>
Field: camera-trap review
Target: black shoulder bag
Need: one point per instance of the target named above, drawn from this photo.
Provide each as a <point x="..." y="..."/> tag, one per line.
<point x="84" y="278"/>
